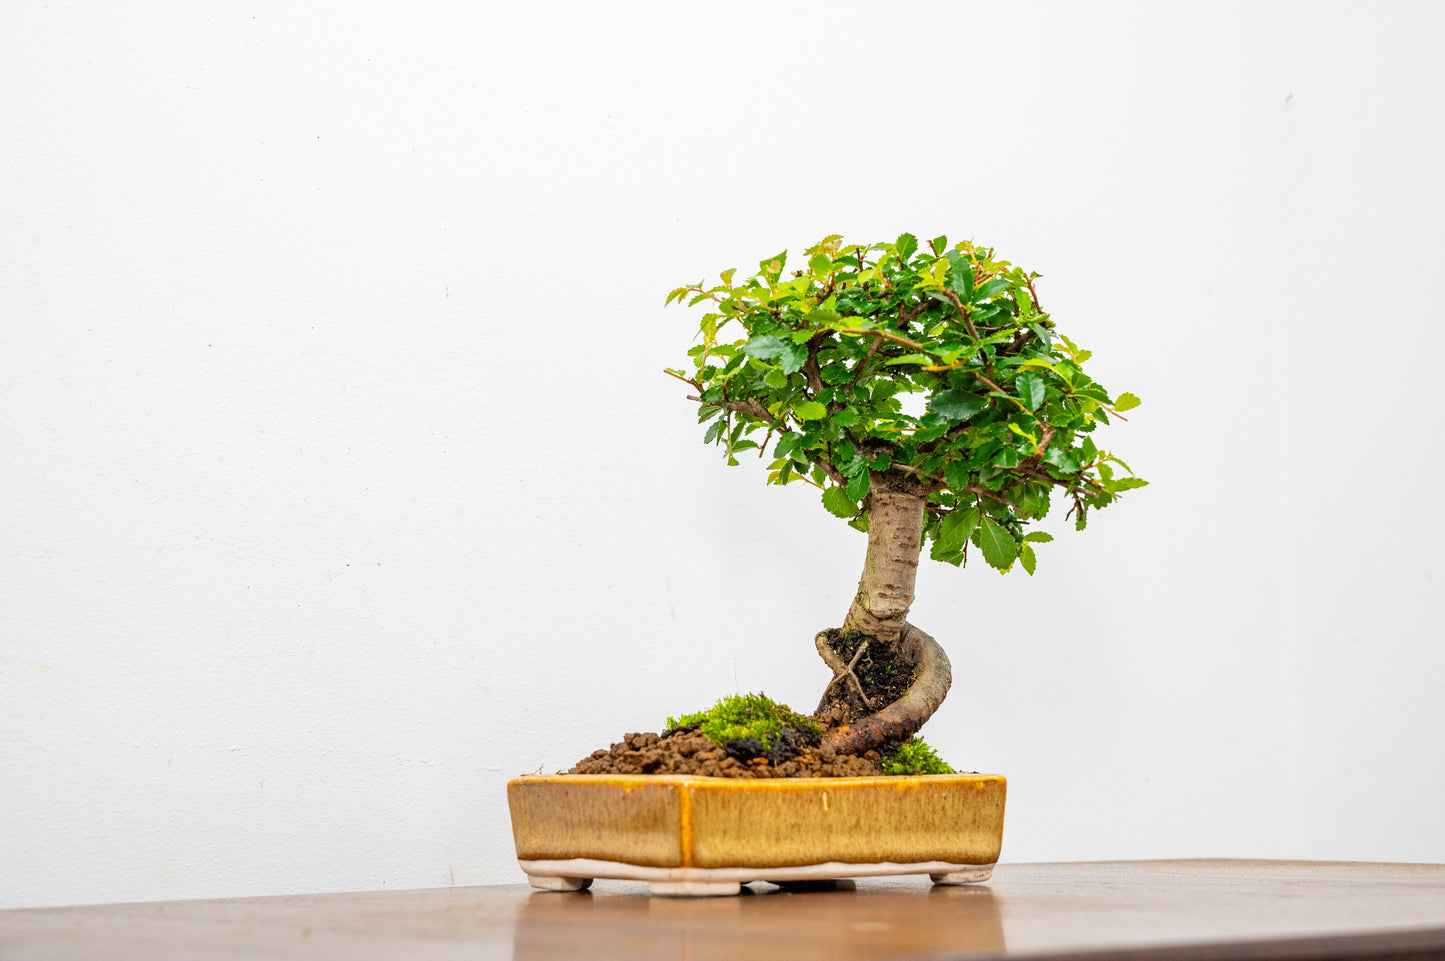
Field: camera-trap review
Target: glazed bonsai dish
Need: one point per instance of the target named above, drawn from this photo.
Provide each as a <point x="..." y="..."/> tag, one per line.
<point x="696" y="836"/>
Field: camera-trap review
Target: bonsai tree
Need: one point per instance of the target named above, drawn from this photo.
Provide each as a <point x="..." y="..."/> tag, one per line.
<point x="932" y="401"/>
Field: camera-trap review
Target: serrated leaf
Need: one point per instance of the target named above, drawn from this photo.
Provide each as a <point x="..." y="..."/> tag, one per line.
<point x="1063" y="459"/>
<point x="998" y="545"/>
<point x="1038" y="537"/>
<point x="838" y="503"/>
<point x="1127" y="484"/>
<point x="938" y="243"/>
<point x="992" y="289"/>
<point x="776" y="379"/>
<point x="961" y="280"/>
<point x="810" y="410"/>
<point x="1027" y="559"/>
<point x="905" y="245"/>
<point x="956" y="473"/>
<point x="727" y="275"/>
<point x="1126" y="402"/>
<point x="793" y="359"/>
<point x="956" y="529"/>
<point x="766" y="347"/>
<point x="858" y="486"/>
<point x="820" y="264"/>
<point x="773" y="266"/>
<point x="1031" y="389"/>
<point x="822" y="317"/>
<point x="956" y="405"/>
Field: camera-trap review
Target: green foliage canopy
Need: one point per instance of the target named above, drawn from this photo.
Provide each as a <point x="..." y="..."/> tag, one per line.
<point x="818" y="364"/>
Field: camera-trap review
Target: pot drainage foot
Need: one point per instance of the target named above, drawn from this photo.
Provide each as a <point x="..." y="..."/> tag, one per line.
<point x="695" y="889"/>
<point x="963" y="877"/>
<point x="559" y="884"/>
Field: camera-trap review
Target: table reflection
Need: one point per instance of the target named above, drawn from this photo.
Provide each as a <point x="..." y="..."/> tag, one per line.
<point x="906" y="918"/>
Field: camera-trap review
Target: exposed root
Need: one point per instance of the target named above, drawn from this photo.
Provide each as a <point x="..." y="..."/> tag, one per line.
<point x="902" y="718"/>
<point x="846" y="672"/>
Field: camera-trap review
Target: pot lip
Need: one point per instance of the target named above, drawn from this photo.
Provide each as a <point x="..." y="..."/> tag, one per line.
<point x="754" y="784"/>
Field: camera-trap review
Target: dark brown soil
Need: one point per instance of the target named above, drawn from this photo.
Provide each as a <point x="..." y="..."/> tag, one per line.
<point x="687" y="752"/>
<point x="884" y="672"/>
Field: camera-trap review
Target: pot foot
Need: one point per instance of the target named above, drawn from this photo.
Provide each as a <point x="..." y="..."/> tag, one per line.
<point x="963" y="877"/>
<point x="695" y="889"/>
<point x="559" y="884"/>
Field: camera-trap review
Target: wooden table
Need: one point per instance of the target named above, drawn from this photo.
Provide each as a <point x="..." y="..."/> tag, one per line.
<point x="1148" y="909"/>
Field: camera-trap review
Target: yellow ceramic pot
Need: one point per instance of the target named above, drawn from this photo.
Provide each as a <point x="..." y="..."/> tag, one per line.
<point x="691" y="835"/>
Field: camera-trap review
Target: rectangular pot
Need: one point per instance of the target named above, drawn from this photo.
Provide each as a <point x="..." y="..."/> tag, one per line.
<point x="686" y="830"/>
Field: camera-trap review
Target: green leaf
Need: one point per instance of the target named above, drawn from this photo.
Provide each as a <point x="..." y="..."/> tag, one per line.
<point x="1063" y="459"/>
<point x="1127" y="484"/>
<point x="765" y="347"/>
<point x="727" y="275"/>
<point x="776" y="378"/>
<point x="1031" y="389"/>
<point x="773" y="266"/>
<point x="858" y="485"/>
<point x="938" y="243"/>
<point x="956" y="405"/>
<point x="992" y="289"/>
<point x="1126" y="402"/>
<point x="838" y="503"/>
<point x="820" y="264"/>
<point x="905" y="245"/>
<point x="998" y="545"/>
<point x="957" y="528"/>
<point x="1027" y="559"/>
<point x="793" y="358"/>
<point x="810" y="410"/>
<point x="822" y="317"/>
<point x="961" y="280"/>
<point x="1038" y="537"/>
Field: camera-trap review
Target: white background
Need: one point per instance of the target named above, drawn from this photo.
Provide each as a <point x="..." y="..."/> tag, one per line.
<point x="340" y="482"/>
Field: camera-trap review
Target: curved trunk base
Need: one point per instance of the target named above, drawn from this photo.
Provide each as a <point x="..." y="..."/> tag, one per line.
<point x="902" y="718"/>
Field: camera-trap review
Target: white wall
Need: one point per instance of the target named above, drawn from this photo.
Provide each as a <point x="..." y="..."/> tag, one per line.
<point x="341" y="483"/>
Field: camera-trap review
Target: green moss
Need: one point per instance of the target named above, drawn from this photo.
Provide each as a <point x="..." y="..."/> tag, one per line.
<point x="913" y="756"/>
<point x="742" y="717"/>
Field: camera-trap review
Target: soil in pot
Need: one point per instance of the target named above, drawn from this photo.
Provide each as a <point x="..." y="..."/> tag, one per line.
<point x="751" y="736"/>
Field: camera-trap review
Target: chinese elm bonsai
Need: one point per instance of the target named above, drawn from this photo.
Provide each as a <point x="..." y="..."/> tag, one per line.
<point x="930" y="398"/>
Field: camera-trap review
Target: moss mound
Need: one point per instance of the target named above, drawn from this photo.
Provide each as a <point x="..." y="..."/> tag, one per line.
<point x="914" y="756"/>
<point x="751" y="725"/>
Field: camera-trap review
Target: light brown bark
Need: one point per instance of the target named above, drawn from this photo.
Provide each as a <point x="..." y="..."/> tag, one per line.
<point x="890" y="569"/>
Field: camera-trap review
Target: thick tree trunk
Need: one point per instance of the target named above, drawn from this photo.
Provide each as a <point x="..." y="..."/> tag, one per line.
<point x="885" y="591"/>
<point x="880" y="611"/>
